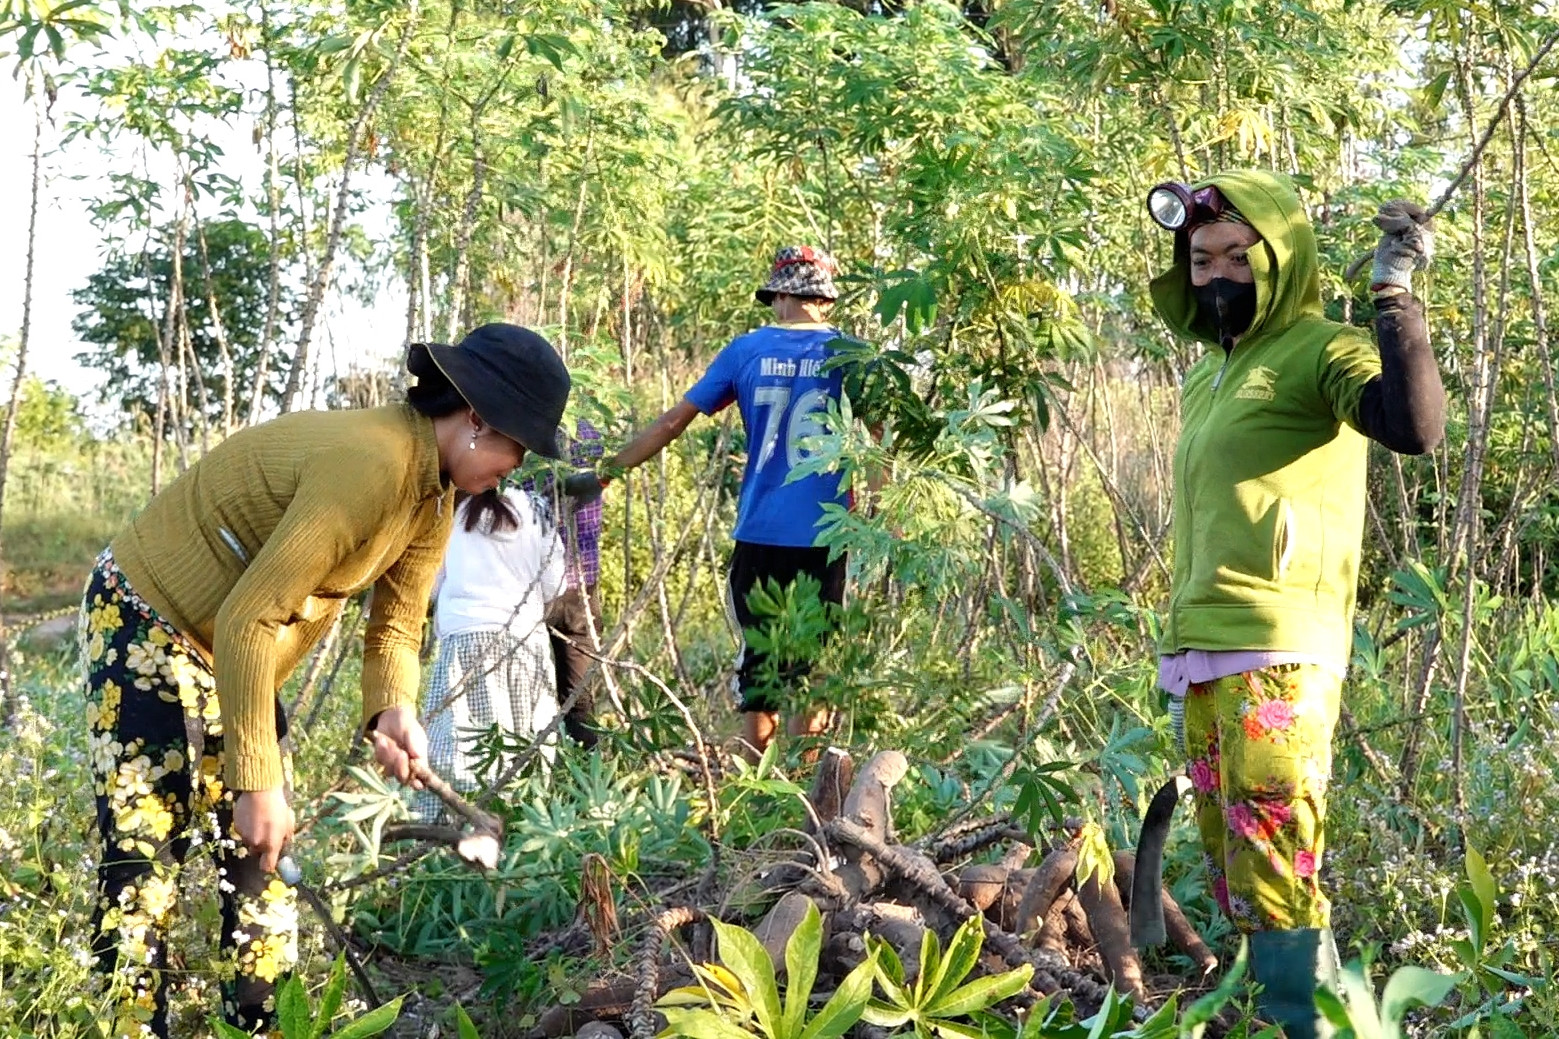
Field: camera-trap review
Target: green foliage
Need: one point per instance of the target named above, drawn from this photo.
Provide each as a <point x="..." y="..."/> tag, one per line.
<point x="1361" y="1017"/>
<point x="741" y="995"/>
<point x="758" y="799"/>
<point x="127" y="302"/>
<point x="43" y="951"/>
<point x="48" y="419"/>
<point x="1206" y="1009"/>
<point x="641" y="824"/>
<point x="297" y="1020"/>
<point x="465" y="1027"/>
<point x="617" y="175"/>
<point x="794" y="626"/>
<point x="1094" y="859"/>
<point x="1497" y="992"/>
<point x="1042" y="797"/>
<point x="67" y="494"/>
<point x="938" y="1001"/>
<point x="44" y="30"/>
<point x="1050" y="1019"/>
<point x="981" y="204"/>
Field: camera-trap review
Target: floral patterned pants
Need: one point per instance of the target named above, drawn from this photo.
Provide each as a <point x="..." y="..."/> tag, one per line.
<point x="1260" y="747"/>
<point x="157" y="764"/>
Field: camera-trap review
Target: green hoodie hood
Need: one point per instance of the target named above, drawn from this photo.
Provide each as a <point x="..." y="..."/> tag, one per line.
<point x="1269" y="468"/>
<point x="1287" y="273"/>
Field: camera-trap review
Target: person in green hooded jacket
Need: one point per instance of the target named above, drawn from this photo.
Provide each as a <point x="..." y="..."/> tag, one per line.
<point x="1269" y="502"/>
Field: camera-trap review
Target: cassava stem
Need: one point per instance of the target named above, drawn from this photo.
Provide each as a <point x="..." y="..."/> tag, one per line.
<point x="641" y="1016"/>
<point x="1051" y="972"/>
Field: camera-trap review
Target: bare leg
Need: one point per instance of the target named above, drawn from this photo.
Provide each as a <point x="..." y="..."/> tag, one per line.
<point x="758" y="728"/>
<point x="813" y="723"/>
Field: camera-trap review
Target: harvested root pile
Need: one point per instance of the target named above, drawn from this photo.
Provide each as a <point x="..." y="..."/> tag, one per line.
<point x="865" y="883"/>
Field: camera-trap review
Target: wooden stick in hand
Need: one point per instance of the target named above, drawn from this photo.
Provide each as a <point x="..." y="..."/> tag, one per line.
<point x="482" y="822"/>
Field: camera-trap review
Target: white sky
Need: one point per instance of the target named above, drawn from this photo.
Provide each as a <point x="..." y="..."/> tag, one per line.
<point x="69" y="249"/>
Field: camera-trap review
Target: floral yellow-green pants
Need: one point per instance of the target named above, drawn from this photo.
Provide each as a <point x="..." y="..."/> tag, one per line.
<point x="157" y="762"/>
<point x="1260" y="748"/>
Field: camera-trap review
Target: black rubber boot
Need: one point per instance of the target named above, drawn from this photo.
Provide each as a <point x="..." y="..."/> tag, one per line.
<point x="1291" y="965"/>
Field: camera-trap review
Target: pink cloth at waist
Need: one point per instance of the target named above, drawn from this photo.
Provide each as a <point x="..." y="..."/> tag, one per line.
<point x="1176" y="671"/>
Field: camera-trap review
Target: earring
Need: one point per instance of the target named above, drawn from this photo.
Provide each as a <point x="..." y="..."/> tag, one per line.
<point x="472" y="445"/>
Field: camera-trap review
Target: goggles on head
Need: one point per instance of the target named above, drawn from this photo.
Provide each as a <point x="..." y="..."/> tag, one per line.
<point x="1176" y="207"/>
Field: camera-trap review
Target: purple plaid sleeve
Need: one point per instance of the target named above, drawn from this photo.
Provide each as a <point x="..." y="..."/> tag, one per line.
<point x="587" y="446"/>
<point x="585" y="566"/>
<point x="582" y="532"/>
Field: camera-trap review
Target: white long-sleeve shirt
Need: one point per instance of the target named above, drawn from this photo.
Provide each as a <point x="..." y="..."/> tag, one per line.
<point x="492" y="580"/>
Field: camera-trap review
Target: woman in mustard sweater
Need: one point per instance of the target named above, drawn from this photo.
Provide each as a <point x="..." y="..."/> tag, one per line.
<point x="196" y="614"/>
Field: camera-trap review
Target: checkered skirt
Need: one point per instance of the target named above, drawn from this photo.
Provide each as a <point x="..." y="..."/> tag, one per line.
<point x="482" y="679"/>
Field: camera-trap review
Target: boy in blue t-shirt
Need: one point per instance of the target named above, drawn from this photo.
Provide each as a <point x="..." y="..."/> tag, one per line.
<point x="774" y="375"/>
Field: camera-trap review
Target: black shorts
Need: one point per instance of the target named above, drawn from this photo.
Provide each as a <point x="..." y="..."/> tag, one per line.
<point x="752" y="564"/>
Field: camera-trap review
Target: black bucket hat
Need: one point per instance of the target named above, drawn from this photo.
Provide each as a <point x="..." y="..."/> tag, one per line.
<point x="512" y="378"/>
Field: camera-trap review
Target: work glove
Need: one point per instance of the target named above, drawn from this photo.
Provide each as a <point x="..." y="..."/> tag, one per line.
<point x="1406" y="245"/>
<point x="584" y="487"/>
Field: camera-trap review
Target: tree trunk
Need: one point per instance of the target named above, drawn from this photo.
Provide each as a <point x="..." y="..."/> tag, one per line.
<point x="157" y="431"/>
<point x="7" y="438"/>
<point x="412" y="298"/>
<point x="174" y="368"/>
<point x="321" y="278"/>
<point x="166" y="409"/>
<point x="1470" y="500"/>
<point x="462" y="270"/>
<point x="544" y="266"/>
<point x="1539" y="306"/>
<point x="424" y="289"/>
<point x="273" y="206"/>
<point x="220" y="331"/>
<point x="423" y="194"/>
<point x="195" y="371"/>
<point x="568" y="258"/>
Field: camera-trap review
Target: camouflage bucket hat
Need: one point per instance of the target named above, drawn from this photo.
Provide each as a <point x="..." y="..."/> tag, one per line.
<point x="800" y="270"/>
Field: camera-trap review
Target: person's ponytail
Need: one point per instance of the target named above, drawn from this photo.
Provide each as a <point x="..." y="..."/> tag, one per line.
<point x="491" y="511"/>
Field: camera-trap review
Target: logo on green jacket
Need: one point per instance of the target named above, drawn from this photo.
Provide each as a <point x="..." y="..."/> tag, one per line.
<point x="1260" y="384"/>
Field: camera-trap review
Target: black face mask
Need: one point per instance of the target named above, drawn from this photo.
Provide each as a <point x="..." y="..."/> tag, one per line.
<point x="1229" y="305"/>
